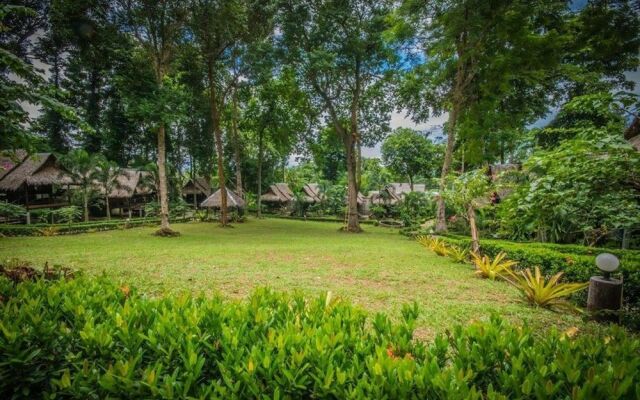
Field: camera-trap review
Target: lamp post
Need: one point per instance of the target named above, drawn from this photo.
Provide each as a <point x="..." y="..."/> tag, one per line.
<point x="605" y="292"/>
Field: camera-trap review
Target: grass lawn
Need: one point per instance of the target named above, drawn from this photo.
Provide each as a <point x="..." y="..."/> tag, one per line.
<point x="379" y="269"/>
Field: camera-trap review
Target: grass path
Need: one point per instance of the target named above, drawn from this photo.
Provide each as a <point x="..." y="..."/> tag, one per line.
<point x="379" y="269"/>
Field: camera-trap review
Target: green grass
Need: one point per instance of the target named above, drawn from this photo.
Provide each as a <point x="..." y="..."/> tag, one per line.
<point x="379" y="269"/>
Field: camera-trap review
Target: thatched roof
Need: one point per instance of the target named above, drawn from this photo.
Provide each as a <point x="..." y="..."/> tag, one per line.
<point x="9" y="160"/>
<point x="215" y="200"/>
<point x="39" y="169"/>
<point x="404" y="188"/>
<point x="384" y="196"/>
<point x="312" y="191"/>
<point x="278" y="193"/>
<point x="130" y="183"/>
<point x="198" y="185"/>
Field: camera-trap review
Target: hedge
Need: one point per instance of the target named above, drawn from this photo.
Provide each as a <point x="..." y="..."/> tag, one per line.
<point x="79" y="227"/>
<point x="317" y="219"/>
<point x="91" y="339"/>
<point x="577" y="262"/>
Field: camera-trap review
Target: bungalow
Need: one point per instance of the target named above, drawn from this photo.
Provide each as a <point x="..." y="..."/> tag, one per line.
<point x="215" y="200"/>
<point x="196" y="190"/>
<point x="278" y="194"/>
<point x="133" y="191"/>
<point x="38" y="181"/>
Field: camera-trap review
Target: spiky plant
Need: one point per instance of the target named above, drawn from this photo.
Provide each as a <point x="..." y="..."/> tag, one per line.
<point x="499" y="267"/>
<point x="458" y="254"/>
<point x="549" y="293"/>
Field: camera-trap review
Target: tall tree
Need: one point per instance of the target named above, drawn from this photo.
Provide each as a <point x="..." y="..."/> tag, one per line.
<point x="408" y="153"/>
<point x="158" y="27"/>
<point x="343" y="63"/>
<point x="107" y="174"/>
<point x="220" y="28"/>
<point x="81" y="166"/>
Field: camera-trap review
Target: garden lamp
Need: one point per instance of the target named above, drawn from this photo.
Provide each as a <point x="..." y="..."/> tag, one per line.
<point x="605" y="293"/>
<point x="607" y="263"/>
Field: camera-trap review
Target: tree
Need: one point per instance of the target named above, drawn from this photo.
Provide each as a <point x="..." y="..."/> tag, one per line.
<point x="497" y="66"/>
<point x="219" y="29"/>
<point x="107" y="173"/>
<point x="21" y="84"/>
<point x="408" y="153"/>
<point x="81" y="167"/>
<point x="344" y="65"/>
<point x="158" y="26"/>
<point x="467" y="192"/>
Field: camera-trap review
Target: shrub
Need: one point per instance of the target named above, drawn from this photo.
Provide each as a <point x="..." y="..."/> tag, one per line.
<point x="11" y="211"/>
<point x="458" y="254"/>
<point x="549" y="294"/>
<point x="492" y="269"/>
<point x="92" y="338"/>
<point x="434" y="244"/>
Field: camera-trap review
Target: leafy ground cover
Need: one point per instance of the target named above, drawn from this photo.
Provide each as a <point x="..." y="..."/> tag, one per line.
<point x="379" y="269"/>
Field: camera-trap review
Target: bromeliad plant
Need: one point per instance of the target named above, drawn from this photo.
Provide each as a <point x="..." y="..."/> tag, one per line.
<point x="434" y="244"/>
<point x="458" y="254"/>
<point x="487" y="268"/>
<point x="550" y="293"/>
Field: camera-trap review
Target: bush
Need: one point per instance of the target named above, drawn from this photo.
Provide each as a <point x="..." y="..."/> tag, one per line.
<point x="80" y="227"/>
<point x="89" y="338"/>
<point x="576" y="262"/>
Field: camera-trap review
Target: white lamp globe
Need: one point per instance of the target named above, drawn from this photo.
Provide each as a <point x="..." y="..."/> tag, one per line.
<point x="607" y="262"/>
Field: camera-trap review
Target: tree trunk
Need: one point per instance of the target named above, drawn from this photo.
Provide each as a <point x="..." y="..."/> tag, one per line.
<point x="217" y="133"/>
<point x="441" y="222"/>
<point x="106" y="202"/>
<point x="259" y="193"/>
<point x="475" y="240"/>
<point x="85" y="203"/>
<point x="353" y="224"/>
<point x="236" y="145"/>
<point x="162" y="178"/>
<point x="359" y="164"/>
<point x="411" y="182"/>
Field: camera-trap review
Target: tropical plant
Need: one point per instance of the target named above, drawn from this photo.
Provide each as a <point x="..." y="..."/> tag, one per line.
<point x="81" y="166"/>
<point x="499" y="267"/>
<point x="107" y="173"/>
<point x="437" y="245"/>
<point x="458" y="254"/>
<point x="415" y="208"/>
<point x="68" y="214"/>
<point x="11" y="211"/>
<point x="549" y="293"/>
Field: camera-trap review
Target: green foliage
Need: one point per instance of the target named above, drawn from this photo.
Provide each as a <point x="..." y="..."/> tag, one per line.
<point x="582" y="190"/>
<point x="11" y="211"/>
<point x="67" y="215"/>
<point x="499" y="267"/>
<point x="415" y="208"/>
<point x="98" y="339"/>
<point x="549" y="293"/>
<point x="458" y="254"/>
<point x="410" y="154"/>
<point x="468" y="190"/>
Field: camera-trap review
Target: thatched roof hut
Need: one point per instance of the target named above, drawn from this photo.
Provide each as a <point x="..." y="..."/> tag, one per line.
<point x="41" y="169"/>
<point x="312" y="192"/>
<point x="10" y="160"/>
<point x="402" y="188"/>
<point x="198" y="186"/>
<point x="130" y="183"/>
<point x="278" y="193"/>
<point x="215" y="200"/>
<point x="387" y="195"/>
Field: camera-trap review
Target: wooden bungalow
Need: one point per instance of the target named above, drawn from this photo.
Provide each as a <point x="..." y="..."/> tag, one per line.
<point x="215" y="200"/>
<point x="38" y="181"/>
<point x="196" y="190"/>
<point x="278" y="194"/>
<point x="133" y="191"/>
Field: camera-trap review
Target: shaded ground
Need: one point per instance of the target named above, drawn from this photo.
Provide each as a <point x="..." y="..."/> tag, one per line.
<point x="379" y="269"/>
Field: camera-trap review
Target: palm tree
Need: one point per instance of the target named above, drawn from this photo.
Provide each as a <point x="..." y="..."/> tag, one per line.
<point x="81" y="166"/>
<point x="106" y="174"/>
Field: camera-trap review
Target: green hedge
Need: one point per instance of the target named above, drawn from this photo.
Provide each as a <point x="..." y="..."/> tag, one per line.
<point x="91" y="339"/>
<point x="316" y="219"/>
<point x="79" y="227"/>
<point x="577" y="262"/>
